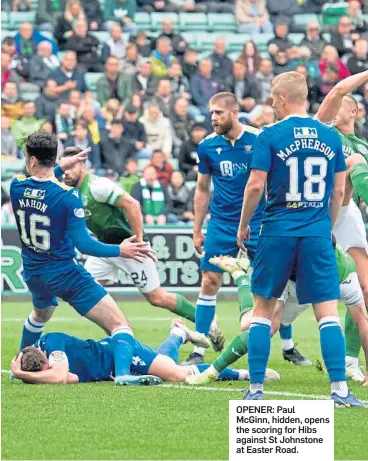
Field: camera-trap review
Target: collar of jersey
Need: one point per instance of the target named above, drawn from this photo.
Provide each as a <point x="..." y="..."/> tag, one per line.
<point x="295" y="115"/>
<point x="40" y="179"/>
<point x="240" y="135"/>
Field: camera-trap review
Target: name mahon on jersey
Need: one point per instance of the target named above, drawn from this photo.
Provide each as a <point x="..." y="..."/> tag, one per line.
<point x="32" y="203"/>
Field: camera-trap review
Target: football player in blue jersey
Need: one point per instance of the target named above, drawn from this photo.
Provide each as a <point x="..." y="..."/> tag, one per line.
<point x="51" y="224"/>
<point x="302" y="161"/>
<point x="57" y="358"/>
<point x="224" y="157"/>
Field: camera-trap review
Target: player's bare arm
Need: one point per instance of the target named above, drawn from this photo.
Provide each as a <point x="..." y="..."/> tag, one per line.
<point x="133" y="212"/>
<point x="332" y="102"/>
<point x="337" y="196"/>
<point x="69" y="162"/>
<point x="252" y="196"/>
<point x="201" y="201"/>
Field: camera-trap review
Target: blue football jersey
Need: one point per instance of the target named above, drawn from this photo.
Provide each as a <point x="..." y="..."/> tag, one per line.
<point x="301" y="156"/>
<point x="90" y="360"/>
<point x="45" y="210"/>
<point x="228" y="162"/>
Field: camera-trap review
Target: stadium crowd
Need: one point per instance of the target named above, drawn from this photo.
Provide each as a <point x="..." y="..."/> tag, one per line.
<point x="96" y="77"/>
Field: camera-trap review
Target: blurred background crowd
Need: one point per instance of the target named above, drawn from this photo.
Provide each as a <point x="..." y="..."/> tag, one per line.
<point x="132" y="78"/>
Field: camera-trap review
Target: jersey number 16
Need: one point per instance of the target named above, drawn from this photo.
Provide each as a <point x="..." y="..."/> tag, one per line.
<point x="39" y="238"/>
<point x="294" y="195"/>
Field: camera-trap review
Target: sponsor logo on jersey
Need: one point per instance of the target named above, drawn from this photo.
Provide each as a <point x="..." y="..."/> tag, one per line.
<point x="79" y="212"/>
<point x="305" y="132"/>
<point x="35" y="193"/>
<point x="137" y="361"/>
<point x="219" y="150"/>
<point x="229" y="168"/>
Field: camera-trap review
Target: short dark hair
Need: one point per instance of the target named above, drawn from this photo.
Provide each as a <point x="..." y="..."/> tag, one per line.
<point x="63" y="101"/>
<point x="8" y="41"/>
<point x="71" y="151"/>
<point x="81" y="123"/>
<point x="42" y="146"/>
<point x="116" y="121"/>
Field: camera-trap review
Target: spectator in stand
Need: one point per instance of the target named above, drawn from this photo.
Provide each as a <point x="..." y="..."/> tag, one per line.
<point x="245" y="88"/>
<point x="115" y="148"/>
<point x="162" y="166"/>
<point x="135" y="132"/>
<point x="181" y="121"/>
<point x="92" y="9"/>
<point x="111" y="111"/>
<point x="180" y="199"/>
<point x="48" y="14"/>
<point x="47" y="102"/>
<point x="27" y="124"/>
<point x="267" y="116"/>
<point x="264" y="78"/>
<point x="130" y="175"/>
<point x="186" y="6"/>
<point x="85" y="46"/>
<point x="204" y="85"/>
<point x="281" y="62"/>
<point x="342" y="38"/>
<point x="188" y="157"/>
<point x="137" y="101"/>
<point x="7" y="74"/>
<point x="82" y="139"/>
<point x="330" y="58"/>
<point x="64" y="27"/>
<point x="143" y="44"/>
<point x="8" y="143"/>
<point x="67" y="77"/>
<point x="222" y="64"/>
<point x="302" y="56"/>
<point x="311" y="83"/>
<point x="158" y="130"/>
<point x="250" y="57"/>
<point x="162" y="57"/>
<point x="11" y="102"/>
<point x="64" y="123"/>
<point x="95" y="124"/>
<point x="324" y="84"/>
<point x="252" y="17"/>
<point x="356" y="16"/>
<point x="164" y="97"/>
<point x="113" y="84"/>
<point x="42" y="64"/>
<point x="122" y="11"/>
<point x="27" y="40"/>
<point x="76" y="104"/>
<point x="314" y="40"/>
<point x="8" y="46"/>
<point x="189" y="64"/>
<point x="115" y="45"/>
<point x="179" y="83"/>
<point x="281" y="40"/>
<point x="152" y="5"/>
<point x="16" y="5"/>
<point x="361" y="124"/>
<point x="177" y="41"/>
<point x="153" y="198"/>
<point x="130" y="64"/>
<point x="283" y="11"/>
<point x="144" y="82"/>
<point x="358" y="61"/>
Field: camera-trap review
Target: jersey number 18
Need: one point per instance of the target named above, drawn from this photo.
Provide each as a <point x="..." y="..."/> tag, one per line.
<point x="294" y="195"/>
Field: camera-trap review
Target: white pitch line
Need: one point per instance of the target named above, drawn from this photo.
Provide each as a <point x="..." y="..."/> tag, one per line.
<point x="227" y="389"/>
<point x="133" y="319"/>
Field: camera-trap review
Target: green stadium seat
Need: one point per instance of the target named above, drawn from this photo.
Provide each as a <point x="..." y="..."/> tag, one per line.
<point x="142" y="163"/>
<point x="143" y="20"/>
<point x="18" y="17"/>
<point x="204" y="54"/>
<point x="11" y="167"/>
<point x="296" y="38"/>
<point x="48" y="34"/>
<point x="157" y="18"/>
<point x="300" y="21"/>
<point x="7" y="33"/>
<point x="234" y="55"/>
<point x="331" y="13"/>
<point x="174" y="163"/>
<point x="193" y="21"/>
<point x="235" y="42"/>
<point x="221" y="22"/>
<point x="92" y="78"/>
<point x="30" y="95"/>
<point x="261" y="40"/>
<point x="101" y="35"/>
<point x="327" y="37"/>
<point x="191" y="39"/>
<point x="206" y="41"/>
<point x="6" y="185"/>
<point x="5" y="20"/>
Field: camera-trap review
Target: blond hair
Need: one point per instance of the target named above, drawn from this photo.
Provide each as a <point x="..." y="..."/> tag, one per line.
<point x="32" y="359"/>
<point x="291" y="85"/>
<point x="68" y="14"/>
<point x="229" y="99"/>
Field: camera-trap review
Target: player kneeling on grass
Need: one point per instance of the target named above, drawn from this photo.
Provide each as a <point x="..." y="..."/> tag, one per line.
<point x="58" y="358"/>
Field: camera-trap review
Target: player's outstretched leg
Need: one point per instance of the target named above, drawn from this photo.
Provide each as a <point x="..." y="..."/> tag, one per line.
<point x="353" y="371"/>
<point x="173" y="302"/>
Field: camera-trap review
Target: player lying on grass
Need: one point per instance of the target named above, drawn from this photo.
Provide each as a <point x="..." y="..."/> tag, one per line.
<point x="58" y="358"/>
<point x="287" y="310"/>
<point x="114" y="215"/>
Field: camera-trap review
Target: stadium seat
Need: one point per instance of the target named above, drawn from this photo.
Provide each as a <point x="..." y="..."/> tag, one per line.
<point x="300" y="21"/>
<point x="7" y="33"/>
<point x="190" y="184"/>
<point x="203" y="55"/>
<point x="157" y="18"/>
<point x="11" y="167"/>
<point x="143" y="21"/>
<point x="261" y="40"/>
<point x="30" y="95"/>
<point x="206" y="41"/>
<point x="5" y="21"/>
<point x="174" y="163"/>
<point x="92" y="78"/>
<point x="142" y="163"/>
<point x="221" y="22"/>
<point x="296" y="38"/>
<point x="48" y="34"/>
<point x="332" y="12"/>
<point x="235" y="42"/>
<point x="191" y="39"/>
<point x="193" y="21"/>
<point x="101" y="35"/>
<point x="17" y="17"/>
<point x="327" y="37"/>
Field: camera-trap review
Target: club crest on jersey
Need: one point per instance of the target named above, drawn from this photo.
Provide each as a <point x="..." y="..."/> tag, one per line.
<point x="219" y="150"/>
<point x="79" y="212"/>
<point x="305" y="132"/>
<point x="35" y="193"/>
<point x="247" y="148"/>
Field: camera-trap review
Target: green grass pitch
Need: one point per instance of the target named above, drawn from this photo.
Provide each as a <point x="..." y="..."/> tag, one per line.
<point x="101" y="422"/>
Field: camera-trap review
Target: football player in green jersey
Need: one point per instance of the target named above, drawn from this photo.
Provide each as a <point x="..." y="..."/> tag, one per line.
<point x="113" y="215"/>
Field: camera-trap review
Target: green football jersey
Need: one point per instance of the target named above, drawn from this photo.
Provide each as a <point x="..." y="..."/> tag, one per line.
<point x="104" y="219"/>
<point x="345" y="263"/>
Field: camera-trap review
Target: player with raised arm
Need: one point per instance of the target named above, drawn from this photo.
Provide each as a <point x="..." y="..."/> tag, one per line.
<point x="51" y="224"/>
<point x="58" y="358"/>
<point x="114" y="215"/>
<point x="340" y="108"/>
<point x="224" y="157"/>
<point x="303" y="162"/>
